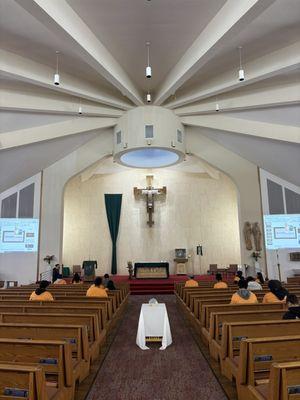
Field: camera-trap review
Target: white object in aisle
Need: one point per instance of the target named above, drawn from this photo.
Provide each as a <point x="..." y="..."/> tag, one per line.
<point x="153" y="322"/>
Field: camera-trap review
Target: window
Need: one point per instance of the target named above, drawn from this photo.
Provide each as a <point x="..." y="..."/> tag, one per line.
<point x="119" y="137"/>
<point x="149" y="132"/>
<point x="179" y="136"/>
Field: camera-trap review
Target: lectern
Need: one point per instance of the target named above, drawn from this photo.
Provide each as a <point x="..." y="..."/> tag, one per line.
<point x="89" y="270"/>
<point x="180" y="261"/>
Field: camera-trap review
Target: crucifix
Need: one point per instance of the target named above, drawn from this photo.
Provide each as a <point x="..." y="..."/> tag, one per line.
<point x="150" y="192"/>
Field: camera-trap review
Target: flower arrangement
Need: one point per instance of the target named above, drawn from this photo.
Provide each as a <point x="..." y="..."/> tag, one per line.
<point x="130" y="269"/>
<point x="48" y="259"/>
<point x="256" y="255"/>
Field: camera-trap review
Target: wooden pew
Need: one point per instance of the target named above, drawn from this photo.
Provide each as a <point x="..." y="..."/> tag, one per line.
<point x="29" y="381"/>
<point x="283" y="385"/>
<point x="58" y="303"/>
<point x="233" y="333"/>
<point x="258" y="355"/>
<point x="48" y="308"/>
<point x="76" y="335"/>
<point x="54" y="357"/>
<point x="218" y="319"/>
<point x="232" y="308"/>
<point x="90" y="321"/>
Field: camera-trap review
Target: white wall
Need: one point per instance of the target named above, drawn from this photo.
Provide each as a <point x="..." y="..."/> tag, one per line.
<point x="21" y="267"/>
<point x="286" y="266"/>
<point x="54" y="179"/>
<point x="243" y="173"/>
<point x="197" y="209"/>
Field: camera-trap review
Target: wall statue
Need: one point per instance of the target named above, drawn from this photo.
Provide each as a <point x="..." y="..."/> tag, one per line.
<point x="247" y="235"/>
<point x="257" y="236"/>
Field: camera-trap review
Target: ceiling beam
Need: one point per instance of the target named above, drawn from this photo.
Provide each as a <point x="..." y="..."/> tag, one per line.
<point x="227" y="23"/>
<point x="72" y="126"/>
<point x="261" y="98"/>
<point x="61" y="19"/>
<point x="278" y="62"/>
<point x="21" y="68"/>
<point x="245" y="127"/>
<point x="16" y="100"/>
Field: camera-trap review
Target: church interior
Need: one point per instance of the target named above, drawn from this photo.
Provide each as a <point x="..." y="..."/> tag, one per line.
<point x="150" y="199"/>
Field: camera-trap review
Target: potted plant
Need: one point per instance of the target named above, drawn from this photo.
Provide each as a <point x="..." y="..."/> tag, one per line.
<point x="48" y="258"/>
<point x="256" y="255"/>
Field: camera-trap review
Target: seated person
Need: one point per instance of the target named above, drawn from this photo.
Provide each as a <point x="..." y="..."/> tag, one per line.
<point x="277" y="293"/>
<point x="260" y="278"/>
<point x="97" y="289"/>
<point x="252" y="284"/>
<point x="41" y="293"/>
<point x="293" y="307"/>
<point x="243" y="295"/>
<point x="110" y="285"/>
<point x="238" y="276"/>
<point x="55" y="272"/>
<point x="220" y="284"/>
<point x="76" y="279"/>
<point x="191" y="282"/>
<point x="60" y="280"/>
<point x="105" y="280"/>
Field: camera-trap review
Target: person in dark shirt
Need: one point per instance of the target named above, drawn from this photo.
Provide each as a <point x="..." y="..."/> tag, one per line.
<point x="55" y="273"/>
<point x="293" y="307"/>
<point x="110" y="285"/>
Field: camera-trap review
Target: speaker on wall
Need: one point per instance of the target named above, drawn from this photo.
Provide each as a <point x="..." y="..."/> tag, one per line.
<point x="199" y="250"/>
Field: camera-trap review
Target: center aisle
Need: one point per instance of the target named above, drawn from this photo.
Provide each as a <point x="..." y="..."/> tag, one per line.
<point x="177" y="373"/>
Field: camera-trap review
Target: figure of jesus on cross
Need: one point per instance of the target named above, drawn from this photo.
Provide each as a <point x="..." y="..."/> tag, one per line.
<point x="150" y="192"/>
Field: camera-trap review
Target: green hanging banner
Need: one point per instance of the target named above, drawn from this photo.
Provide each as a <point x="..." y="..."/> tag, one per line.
<point x="113" y="204"/>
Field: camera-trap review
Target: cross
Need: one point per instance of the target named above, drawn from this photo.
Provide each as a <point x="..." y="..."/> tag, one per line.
<point x="150" y="192"/>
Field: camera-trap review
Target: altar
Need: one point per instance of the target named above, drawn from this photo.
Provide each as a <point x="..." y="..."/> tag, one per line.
<point x="151" y="270"/>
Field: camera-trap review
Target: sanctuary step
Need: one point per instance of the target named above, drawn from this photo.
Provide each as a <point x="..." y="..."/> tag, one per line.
<point x="149" y="287"/>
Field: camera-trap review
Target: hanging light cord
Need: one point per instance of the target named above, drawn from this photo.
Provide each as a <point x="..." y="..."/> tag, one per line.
<point x="57" y="54"/>
<point x="240" y="53"/>
<point x="148" y="53"/>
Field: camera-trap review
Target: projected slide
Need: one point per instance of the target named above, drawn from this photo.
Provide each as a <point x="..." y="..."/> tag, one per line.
<point x="282" y="231"/>
<point x="19" y="235"/>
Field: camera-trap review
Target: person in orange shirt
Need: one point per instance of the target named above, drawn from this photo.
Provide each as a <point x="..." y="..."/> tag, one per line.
<point x="220" y="284"/>
<point x="191" y="282"/>
<point x="239" y="275"/>
<point x="277" y="293"/>
<point x="59" y="280"/>
<point x="41" y="293"/>
<point x="243" y="295"/>
<point x="97" y="289"/>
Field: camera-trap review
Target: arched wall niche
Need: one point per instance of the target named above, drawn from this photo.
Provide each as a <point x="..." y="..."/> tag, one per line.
<point x="200" y="208"/>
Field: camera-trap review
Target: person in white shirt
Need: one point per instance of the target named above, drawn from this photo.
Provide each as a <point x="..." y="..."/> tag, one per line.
<point x="252" y="284"/>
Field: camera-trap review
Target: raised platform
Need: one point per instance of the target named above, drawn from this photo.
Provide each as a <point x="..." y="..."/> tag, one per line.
<point x="156" y="286"/>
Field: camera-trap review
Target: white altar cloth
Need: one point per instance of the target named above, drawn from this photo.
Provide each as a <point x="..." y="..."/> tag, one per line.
<point x="153" y="321"/>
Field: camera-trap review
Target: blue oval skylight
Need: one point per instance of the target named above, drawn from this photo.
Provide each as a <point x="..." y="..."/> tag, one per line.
<point x="149" y="158"/>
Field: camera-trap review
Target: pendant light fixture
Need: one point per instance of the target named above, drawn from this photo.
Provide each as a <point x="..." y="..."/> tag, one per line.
<point x="148" y="97"/>
<point x="217" y="105"/>
<point x="148" y="68"/>
<point x="80" y="108"/>
<point x="56" y="79"/>
<point x="241" y="70"/>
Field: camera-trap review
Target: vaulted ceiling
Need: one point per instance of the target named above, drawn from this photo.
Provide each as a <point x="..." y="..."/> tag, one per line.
<point x="194" y="58"/>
